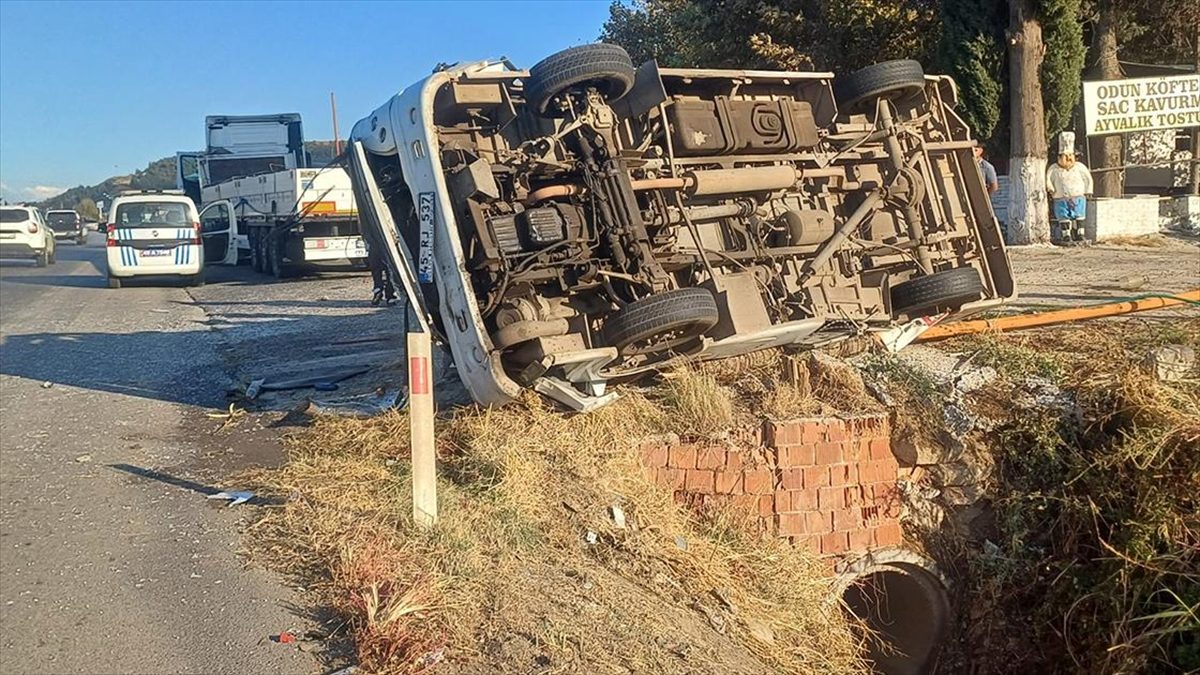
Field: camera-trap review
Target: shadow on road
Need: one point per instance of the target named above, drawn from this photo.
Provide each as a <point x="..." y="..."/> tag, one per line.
<point x="194" y="367"/>
<point x="186" y="484"/>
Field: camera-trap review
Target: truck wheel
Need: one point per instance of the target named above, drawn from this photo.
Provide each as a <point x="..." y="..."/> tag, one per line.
<point x="52" y="256"/>
<point x="81" y="239"/>
<point x="661" y="321"/>
<point x="279" y="269"/>
<point x="42" y="259"/>
<point x="937" y="292"/>
<point x="256" y="256"/>
<point x="899" y="81"/>
<point x="114" y="282"/>
<point x="606" y="67"/>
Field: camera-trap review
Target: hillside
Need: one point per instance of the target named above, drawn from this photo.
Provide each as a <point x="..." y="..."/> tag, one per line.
<point x="158" y="175"/>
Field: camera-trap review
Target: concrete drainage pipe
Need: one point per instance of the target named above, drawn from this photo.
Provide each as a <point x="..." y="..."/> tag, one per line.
<point x="903" y="601"/>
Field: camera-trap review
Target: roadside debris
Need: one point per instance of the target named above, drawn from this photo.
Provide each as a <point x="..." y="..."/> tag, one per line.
<point x="366" y="405"/>
<point x="1171" y="363"/>
<point x="230" y="417"/>
<point x="47" y="384"/>
<point x="618" y="515"/>
<point x="235" y="498"/>
<point x="254" y="388"/>
<point x="83" y="459"/>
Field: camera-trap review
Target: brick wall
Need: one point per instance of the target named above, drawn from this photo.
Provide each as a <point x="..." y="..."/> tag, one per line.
<point x="828" y="483"/>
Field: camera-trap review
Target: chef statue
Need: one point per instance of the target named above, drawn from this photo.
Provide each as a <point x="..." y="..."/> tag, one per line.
<point x="1069" y="183"/>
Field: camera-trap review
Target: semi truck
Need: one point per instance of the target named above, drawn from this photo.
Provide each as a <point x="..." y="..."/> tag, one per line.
<point x="261" y="201"/>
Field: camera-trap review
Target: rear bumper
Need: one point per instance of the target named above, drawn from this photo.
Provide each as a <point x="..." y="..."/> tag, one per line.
<point x="334" y="248"/>
<point x="125" y="262"/>
<point x="18" y="250"/>
<point x="73" y="234"/>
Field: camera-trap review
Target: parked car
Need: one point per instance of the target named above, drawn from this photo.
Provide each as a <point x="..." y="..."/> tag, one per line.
<point x="154" y="233"/>
<point x="585" y="221"/>
<point x="67" y="224"/>
<point x="24" y="234"/>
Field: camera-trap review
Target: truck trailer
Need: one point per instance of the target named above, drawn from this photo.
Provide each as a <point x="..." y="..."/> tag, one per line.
<point x="261" y="201"/>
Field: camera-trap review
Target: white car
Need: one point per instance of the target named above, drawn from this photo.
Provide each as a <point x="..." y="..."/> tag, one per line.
<point x="24" y="234"/>
<point x="154" y="233"/>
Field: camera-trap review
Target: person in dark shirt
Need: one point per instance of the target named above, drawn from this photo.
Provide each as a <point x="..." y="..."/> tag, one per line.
<point x="986" y="170"/>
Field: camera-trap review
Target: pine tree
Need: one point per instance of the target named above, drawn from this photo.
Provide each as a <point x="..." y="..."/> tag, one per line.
<point x="1062" y="35"/>
<point x="971" y="50"/>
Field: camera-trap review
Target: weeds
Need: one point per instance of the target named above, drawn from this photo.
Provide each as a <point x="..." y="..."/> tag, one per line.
<point x="507" y="581"/>
<point x="1096" y="511"/>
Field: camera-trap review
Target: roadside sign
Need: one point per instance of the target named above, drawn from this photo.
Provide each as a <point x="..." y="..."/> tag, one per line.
<point x="1141" y="104"/>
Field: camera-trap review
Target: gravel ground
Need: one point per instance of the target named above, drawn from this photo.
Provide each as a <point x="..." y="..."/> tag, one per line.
<point x="1056" y="276"/>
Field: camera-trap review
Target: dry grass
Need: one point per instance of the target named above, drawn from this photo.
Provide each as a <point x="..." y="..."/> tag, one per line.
<point x="783" y="386"/>
<point x="697" y="405"/>
<point x="507" y="583"/>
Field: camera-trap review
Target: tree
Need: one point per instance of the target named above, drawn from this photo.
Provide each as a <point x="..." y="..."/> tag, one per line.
<point x="1028" y="220"/>
<point x="86" y="208"/>
<point x="1062" y="35"/>
<point x="1106" y="150"/>
<point x="971" y="51"/>
<point x="785" y="34"/>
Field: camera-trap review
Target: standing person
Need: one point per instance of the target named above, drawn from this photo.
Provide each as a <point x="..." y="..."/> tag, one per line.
<point x="381" y="275"/>
<point x="1069" y="183"/>
<point x="987" y="170"/>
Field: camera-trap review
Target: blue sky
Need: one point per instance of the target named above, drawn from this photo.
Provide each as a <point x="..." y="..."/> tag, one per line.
<point x="93" y="89"/>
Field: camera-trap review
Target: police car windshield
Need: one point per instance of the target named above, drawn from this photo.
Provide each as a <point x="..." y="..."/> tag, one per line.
<point x="152" y="214"/>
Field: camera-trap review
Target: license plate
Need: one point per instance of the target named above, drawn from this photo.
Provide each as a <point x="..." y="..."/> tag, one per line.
<point x="153" y="252"/>
<point x="425" y="218"/>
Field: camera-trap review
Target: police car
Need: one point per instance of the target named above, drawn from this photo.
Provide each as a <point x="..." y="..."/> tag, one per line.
<point x="154" y="233"/>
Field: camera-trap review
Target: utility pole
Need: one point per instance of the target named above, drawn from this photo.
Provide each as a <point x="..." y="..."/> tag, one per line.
<point x="337" y="141"/>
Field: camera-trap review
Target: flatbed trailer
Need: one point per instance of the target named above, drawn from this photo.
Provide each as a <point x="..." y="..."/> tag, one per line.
<point x="284" y="220"/>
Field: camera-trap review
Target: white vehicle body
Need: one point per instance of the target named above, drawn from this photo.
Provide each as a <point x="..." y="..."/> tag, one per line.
<point x="24" y="234"/>
<point x="404" y="126"/>
<point x="156" y="234"/>
<point x="711" y="214"/>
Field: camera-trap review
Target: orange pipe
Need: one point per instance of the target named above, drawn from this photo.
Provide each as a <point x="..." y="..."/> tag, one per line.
<point x="1055" y="317"/>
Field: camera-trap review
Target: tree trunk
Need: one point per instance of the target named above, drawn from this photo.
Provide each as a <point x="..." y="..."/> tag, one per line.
<point x="1028" y="217"/>
<point x="1106" y="150"/>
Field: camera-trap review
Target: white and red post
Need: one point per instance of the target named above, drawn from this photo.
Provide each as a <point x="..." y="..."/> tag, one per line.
<point x="420" y="416"/>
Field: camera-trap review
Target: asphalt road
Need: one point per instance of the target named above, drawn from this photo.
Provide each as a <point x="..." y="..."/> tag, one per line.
<point x="112" y="560"/>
